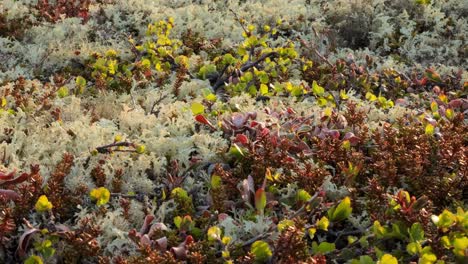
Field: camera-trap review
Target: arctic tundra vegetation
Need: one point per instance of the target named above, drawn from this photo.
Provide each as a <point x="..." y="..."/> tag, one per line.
<point x="233" y="131"/>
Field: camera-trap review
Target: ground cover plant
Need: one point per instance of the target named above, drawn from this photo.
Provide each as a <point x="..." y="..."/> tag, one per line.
<point x="233" y="131"/>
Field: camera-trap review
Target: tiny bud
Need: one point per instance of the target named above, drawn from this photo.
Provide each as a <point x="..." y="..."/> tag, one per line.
<point x="117" y="138"/>
<point x="140" y="149"/>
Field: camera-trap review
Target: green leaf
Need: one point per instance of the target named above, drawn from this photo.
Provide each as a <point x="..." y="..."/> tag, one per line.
<point x="341" y="212"/>
<point x="145" y="63"/>
<point x="322" y="101"/>
<point x="429" y="130"/>
<point x="363" y="260"/>
<point x="215" y="181"/>
<point x="197" y="108"/>
<point x="177" y="221"/>
<point x="388" y="259"/>
<point x="48" y="252"/>
<point x="246" y="77"/>
<point x="323" y="223"/>
<point x="261" y="251"/>
<point x="370" y="96"/>
<point x="449" y="113"/>
<point x="263" y="77"/>
<point x="214" y="233"/>
<point x="325" y="247"/>
<point x="228" y="59"/>
<point x="297" y="91"/>
<point x="303" y="196"/>
<point x="445" y="242"/>
<point x="344" y="95"/>
<point x="209" y="95"/>
<point x="416" y="232"/>
<point x="252" y="90"/>
<point x="62" y="92"/>
<point x="399" y="230"/>
<point x="263" y="89"/>
<point x="460" y="245"/>
<point x="445" y="219"/>
<point x="260" y="200"/>
<point x="80" y="81"/>
<point x="205" y="70"/>
<point x="317" y="89"/>
<point x="236" y="151"/>
<point x="413" y="248"/>
<point x="285" y="224"/>
<point x="427" y="257"/>
<point x="33" y="260"/>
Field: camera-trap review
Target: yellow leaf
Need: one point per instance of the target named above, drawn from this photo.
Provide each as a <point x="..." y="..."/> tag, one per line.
<point x="197" y="108"/>
<point x="370" y="96"/>
<point x="388" y="259"/>
<point x="449" y="113"/>
<point x="263" y="89"/>
<point x="214" y="233"/>
<point x="429" y="130"/>
<point x="317" y="89"/>
<point x="323" y="223"/>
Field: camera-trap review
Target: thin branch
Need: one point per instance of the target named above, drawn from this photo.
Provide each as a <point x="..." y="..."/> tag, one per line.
<point x="303" y="207"/>
<point x="162" y="97"/>
<point x="316" y="52"/>
<point x="239" y="20"/>
<point x="220" y="79"/>
<point x="105" y="149"/>
<point x="244" y="68"/>
<point x="258" y="237"/>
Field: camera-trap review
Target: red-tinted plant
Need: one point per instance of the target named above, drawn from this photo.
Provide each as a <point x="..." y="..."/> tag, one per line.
<point x="52" y="12"/>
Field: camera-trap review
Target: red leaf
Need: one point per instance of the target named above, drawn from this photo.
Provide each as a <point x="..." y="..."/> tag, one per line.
<point x="423" y="81"/>
<point x="189" y="240"/>
<point x="334" y="133"/>
<point x="254" y="123"/>
<point x="9" y="194"/>
<point x="145" y="240"/>
<point x="24" y="241"/>
<point x="351" y="138"/>
<point x="6" y="177"/>
<point x="161" y="243"/>
<point x="291" y="111"/>
<point x="24" y="176"/>
<point x="243" y="139"/>
<point x="179" y="252"/>
<point x="146" y="224"/>
<point x="202" y="119"/>
<point x="456" y="103"/>
<point x="264" y="132"/>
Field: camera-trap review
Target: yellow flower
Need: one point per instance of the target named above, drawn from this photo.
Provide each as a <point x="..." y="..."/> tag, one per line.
<point x="43" y="204"/>
<point x="101" y="195"/>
